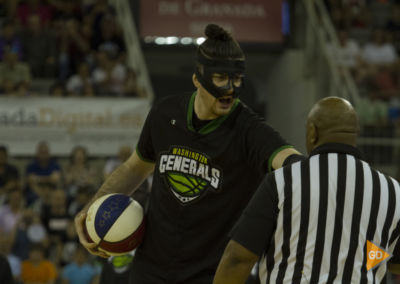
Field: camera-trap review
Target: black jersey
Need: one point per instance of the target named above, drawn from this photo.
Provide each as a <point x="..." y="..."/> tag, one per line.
<point x="202" y="182"/>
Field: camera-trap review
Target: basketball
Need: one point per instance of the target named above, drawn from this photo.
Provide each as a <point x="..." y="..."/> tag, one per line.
<point x="116" y="223"/>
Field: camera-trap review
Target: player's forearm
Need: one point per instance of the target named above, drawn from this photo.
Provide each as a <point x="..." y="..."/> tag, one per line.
<point x="122" y="180"/>
<point x="280" y="158"/>
<point x="126" y="178"/>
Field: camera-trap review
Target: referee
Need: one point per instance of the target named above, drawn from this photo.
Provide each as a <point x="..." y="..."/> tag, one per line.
<point x="328" y="219"/>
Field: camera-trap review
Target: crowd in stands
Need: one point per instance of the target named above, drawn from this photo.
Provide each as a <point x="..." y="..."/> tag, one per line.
<point x="76" y="47"/>
<point x="38" y="201"/>
<point x="369" y="45"/>
<point x="368" y="33"/>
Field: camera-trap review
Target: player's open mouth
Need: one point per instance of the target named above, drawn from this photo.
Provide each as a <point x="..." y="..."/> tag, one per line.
<point x="225" y="101"/>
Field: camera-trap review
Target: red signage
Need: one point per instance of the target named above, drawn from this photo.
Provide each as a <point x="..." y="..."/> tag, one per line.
<point x="247" y="20"/>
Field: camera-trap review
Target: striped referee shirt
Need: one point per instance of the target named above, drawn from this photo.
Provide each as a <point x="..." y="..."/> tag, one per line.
<point x="328" y="219"/>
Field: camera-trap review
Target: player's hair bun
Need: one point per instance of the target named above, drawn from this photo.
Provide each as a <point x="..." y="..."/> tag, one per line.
<point x="217" y="33"/>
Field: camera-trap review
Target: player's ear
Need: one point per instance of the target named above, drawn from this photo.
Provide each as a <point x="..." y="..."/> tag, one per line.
<point x="196" y="82"/>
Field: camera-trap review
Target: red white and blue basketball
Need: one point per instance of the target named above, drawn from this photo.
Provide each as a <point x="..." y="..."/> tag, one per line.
<point x="116" y="223"/>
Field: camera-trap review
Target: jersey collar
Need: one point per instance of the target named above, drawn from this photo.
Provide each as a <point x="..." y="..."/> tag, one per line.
<point x="337" y="148"/>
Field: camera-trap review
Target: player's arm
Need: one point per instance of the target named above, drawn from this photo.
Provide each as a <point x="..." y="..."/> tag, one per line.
<point x="126" y="177"/>
<point x="265" y="147"/>
<point x="235" y="265"/>
<point x="285" y="157"/>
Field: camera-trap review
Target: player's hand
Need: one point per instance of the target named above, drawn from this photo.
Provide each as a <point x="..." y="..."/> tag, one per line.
<point x="90" y="246"/>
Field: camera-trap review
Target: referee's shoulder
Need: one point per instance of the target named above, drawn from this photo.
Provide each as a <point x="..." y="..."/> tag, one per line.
<point x="287" y="169"/>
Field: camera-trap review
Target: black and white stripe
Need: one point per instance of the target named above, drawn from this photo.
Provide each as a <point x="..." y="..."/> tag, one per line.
<point x="329" y="206"/>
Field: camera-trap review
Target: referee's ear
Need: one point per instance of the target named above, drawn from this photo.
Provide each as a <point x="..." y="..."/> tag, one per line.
<point x="312" y="136"/>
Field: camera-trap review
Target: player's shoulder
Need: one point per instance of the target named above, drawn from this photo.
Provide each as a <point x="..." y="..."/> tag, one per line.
<point x="170" y="102"/>
<point x="246" y="118"/>
<point x="245" y="112"/>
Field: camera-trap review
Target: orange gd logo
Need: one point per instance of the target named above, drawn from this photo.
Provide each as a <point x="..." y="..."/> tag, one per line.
<point x="375" y="255"/>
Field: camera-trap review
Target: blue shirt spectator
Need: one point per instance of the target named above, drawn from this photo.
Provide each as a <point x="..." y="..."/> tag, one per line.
<point x="42" y="170"/>
<point x="80" y="271"/>
<point x="9" y="40"/>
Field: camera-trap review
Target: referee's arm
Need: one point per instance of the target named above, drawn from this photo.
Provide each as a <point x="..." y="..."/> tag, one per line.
<point x="235" y="265"/>
<point x="251" y="235"/>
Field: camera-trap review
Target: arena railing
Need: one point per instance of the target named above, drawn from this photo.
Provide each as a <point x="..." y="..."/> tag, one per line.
<point x="381" y="146"/>
<point x="321" y="38"/>
<point x="132" y="41"/>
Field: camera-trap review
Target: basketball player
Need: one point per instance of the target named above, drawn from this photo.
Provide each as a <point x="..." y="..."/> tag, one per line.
<point x="208" y="152"/>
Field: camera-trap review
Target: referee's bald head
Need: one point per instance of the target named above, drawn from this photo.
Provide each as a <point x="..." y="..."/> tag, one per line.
<point x="331" y="120"/>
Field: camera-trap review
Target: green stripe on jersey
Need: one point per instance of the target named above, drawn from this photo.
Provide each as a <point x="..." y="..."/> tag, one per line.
<point x="212" y="125"/>
<point x="141" y="157"/>
<point x="272" y="157"/>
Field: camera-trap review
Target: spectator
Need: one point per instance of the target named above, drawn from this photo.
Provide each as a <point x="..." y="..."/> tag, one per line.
<point x="39" y="48"/>
<point x="5" y="271"/>
<point x="73" y="45"/>
<point x="71" y="243"/>
<point x="9" y="175"/>
<point x="43" y="169"/>
<point x="110" y="39"/>
<point x="30" y="230"/>
<point x="10" y="40"/>
<point x="79" y="172"/>
<point x="380" y="50"/>
<point x="383" y="83"/>
<point x="372" y="112"/>
<point x="378" y="66"/>
<point x="393" y="26"/>
<point x="79" y="84"/>
<point x="57" y="89"/>
<point x="65" y="9"/>
<point x="124" y="153"/>
<point x="10" y="215"/>
<point x="7" y="8"/>
<point x="348" y="52"/>
<point x="80" y="271"/>
<point x="131" y="87"/>
<point x="82" y="197"/>
<point x="109" y="75"/>
<point x="11" y="212"/>
<point x="97" y="11"/>
<point x="13" y="73"/>
<point x="13" y="260"/>
<point x="34" y="7"/>
<point x="55" y="218"/>
<point x="37" y="269"/>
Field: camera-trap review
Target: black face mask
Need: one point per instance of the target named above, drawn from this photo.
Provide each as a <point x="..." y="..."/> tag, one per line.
<point x="232" y="68"/>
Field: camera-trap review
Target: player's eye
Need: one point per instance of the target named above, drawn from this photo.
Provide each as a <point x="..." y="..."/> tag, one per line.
<point x="237" y="79"/>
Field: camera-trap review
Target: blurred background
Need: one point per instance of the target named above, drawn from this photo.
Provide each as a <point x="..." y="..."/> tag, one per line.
<point x="78" y="77"/>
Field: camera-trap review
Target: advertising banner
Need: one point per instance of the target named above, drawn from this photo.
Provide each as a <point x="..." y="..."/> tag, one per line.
<point x="100" y="125"/>
<point x="258" y="21"/>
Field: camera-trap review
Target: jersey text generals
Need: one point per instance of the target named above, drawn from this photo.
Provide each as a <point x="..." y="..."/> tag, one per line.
<point x="188" y="173"/>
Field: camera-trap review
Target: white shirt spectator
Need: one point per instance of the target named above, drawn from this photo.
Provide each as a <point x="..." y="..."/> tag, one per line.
<point x="379" y="54"/>
<point x="75" y="84"/>
<point x="118" y="76"/>
<point x="347" y="54"/>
